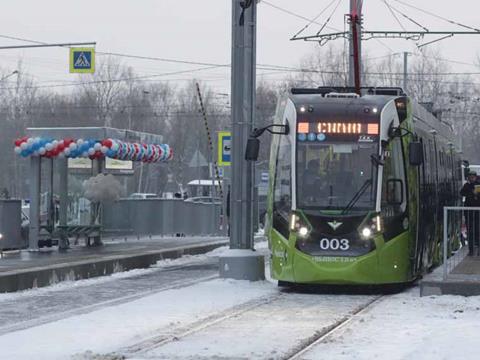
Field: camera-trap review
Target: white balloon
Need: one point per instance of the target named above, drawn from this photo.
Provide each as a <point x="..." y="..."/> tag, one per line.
<point x="91" y="151"/>
<point x="55" y="143"/>
<point x="73" y="146"/>
<point x="24" y="146"/>
<point x="18" y="150"/>
<point x="97" y="146"/>
<point x="37" y="140"/>
<point x="49" y="146"/>
<point x="42" y="151"/>
<point x="80" y="142"/>
<point x="67" y="151"/>
<point x="104" y="149"/>
<point x="30" y="141"/>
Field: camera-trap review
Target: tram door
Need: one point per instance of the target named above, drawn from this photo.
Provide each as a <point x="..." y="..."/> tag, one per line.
<point x="427" y="205"/>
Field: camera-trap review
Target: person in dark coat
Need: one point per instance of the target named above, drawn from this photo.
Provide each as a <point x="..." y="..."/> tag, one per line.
<point x="471" y="192"/>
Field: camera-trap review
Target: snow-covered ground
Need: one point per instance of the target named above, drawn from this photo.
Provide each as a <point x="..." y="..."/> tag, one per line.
<point x="111" y="328"/>
<point x="406" y="326"/>
<point x="224" y="319"/>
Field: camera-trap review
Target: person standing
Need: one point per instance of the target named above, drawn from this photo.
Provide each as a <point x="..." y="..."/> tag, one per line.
<point x="471" y="192"/>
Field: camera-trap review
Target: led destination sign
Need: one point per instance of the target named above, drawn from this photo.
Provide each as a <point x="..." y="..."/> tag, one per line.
<point x="342" y="128"/>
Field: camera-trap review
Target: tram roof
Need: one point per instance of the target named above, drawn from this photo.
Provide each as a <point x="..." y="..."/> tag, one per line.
<point x="370" y="100"/>
<point x="371" y="96"/>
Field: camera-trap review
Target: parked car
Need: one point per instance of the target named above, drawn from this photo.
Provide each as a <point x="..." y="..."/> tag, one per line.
<point x="204" y="199"/>
<point x="143" y="196"/>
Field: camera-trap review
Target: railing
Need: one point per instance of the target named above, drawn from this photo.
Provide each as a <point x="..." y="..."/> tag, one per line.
<point x="163" y="217"/>
<point x="455" y="240"/>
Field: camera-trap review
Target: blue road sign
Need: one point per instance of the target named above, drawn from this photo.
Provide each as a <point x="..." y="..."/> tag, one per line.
<point x="224" y="148"/>
<point x="82" y="60"/>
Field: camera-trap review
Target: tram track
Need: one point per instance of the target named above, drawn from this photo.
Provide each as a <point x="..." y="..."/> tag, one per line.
<point x="179" y="333"/>
<point x="310" y="343"/>
<point x="160" y="345"/>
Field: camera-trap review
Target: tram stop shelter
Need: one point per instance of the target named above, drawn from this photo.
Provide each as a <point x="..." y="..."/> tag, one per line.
<point x="45" y="146"/>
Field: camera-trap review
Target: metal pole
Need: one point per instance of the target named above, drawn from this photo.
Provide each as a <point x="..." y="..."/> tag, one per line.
<point x="140" y="176"/>
<point x="47" y="45"/>
<point x="34" y="231"/>
<point x="63" y="189"/>
<point x="51" y="201"/>
<point x="445" y="242"/>
<point x="355" y="55"/>
<point x="405" y="71"/>
<point x="243" y="114"/>
<point x="244" y="263"/>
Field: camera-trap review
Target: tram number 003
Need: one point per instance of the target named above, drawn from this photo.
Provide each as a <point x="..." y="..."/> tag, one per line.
<point x="334" y="244"/>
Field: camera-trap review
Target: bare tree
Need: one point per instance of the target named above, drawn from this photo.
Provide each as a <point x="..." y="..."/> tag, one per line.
<point x="103" y="89"/>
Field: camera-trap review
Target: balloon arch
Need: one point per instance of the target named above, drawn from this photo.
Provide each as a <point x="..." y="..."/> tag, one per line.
<point x="93" y="149"/>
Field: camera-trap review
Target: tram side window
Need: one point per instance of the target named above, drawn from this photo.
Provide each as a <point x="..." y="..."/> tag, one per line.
<point x="393" y="187"/>
<point x="283" y="177"/>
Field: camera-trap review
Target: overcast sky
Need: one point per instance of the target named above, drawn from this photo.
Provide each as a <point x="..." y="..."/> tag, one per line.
<point x="200" y="30"/>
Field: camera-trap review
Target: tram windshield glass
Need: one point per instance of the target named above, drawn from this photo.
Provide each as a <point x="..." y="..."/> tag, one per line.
<point x="336" y="176"/>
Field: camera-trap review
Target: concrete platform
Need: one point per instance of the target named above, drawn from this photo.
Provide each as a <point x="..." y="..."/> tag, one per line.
<point x="24" y="270"/>
<point x="463" y="279"/>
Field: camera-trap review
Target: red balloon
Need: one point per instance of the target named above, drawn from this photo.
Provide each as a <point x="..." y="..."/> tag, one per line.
<point x="107" y="142"/>
<point x="18" y="142"/>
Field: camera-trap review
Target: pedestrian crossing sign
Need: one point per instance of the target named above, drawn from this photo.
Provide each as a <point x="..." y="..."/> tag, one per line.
<point x="82" y="60"/>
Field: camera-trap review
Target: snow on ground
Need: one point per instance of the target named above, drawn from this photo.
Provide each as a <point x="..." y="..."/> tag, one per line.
<point x="115" y="327"/>
<point x="401" y="326"/>
<point x="111" y="328"/>
<point x="161" y="264"/>
<point x="406" y="326"/>
<point x="270" y="331"/>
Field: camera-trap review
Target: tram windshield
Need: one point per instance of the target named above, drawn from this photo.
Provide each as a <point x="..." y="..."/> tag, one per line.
<point x="338" y="176"/>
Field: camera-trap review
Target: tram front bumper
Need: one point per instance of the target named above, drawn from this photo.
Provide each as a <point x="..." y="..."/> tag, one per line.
<point x="387" y="264"/>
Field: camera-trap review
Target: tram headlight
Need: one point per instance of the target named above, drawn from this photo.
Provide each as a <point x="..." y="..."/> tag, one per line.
<point x="1" y="236"/>
<point x="299" y="225"/>
<point x="366" y="232"/>
<point x="372" y="227"/>
<point x="303" y="231"/>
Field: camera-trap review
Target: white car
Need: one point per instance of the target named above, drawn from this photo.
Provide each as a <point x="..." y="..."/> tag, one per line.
<point x="143" y="196"/>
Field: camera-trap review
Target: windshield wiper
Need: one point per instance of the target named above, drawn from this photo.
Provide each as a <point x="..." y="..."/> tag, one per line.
<point x="357" y="195"/>
<point x="376" y="160"/>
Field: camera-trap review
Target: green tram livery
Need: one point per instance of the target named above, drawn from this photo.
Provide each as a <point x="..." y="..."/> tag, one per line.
<point x="357" y="188"/>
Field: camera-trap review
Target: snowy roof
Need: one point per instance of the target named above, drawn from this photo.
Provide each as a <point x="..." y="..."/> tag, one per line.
<point x="95" y="133"/>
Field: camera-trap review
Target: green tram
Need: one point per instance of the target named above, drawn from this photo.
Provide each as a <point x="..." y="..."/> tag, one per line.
<point x="357" y="188"/>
